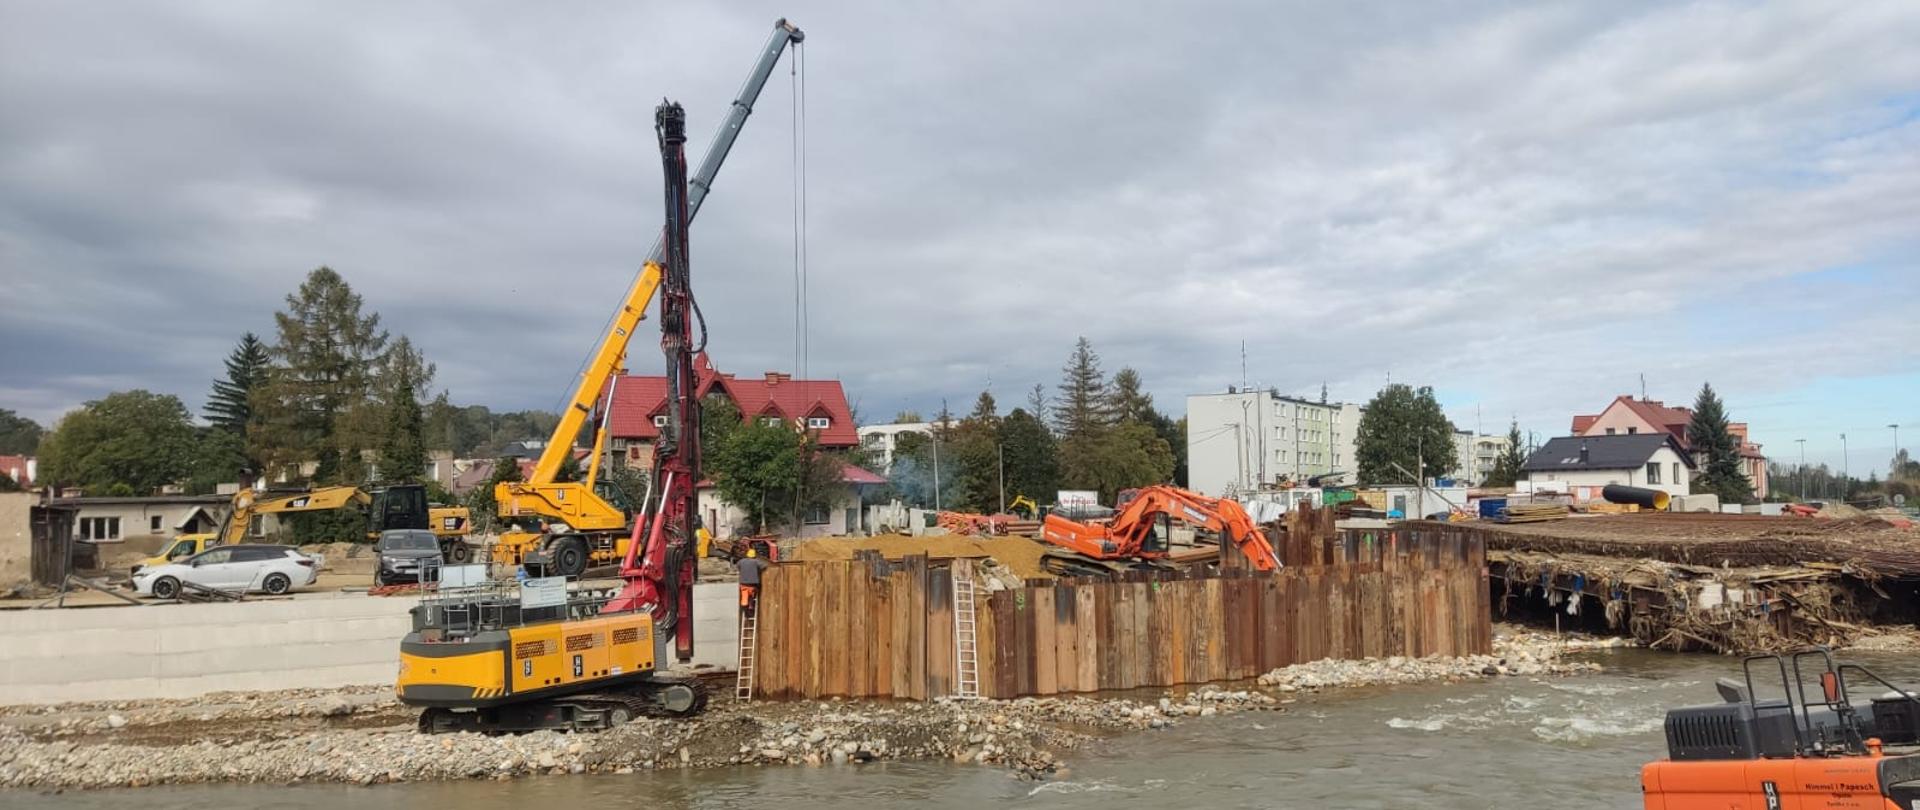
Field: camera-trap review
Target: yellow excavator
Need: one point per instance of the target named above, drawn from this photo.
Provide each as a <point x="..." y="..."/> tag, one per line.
<point x="500" y="658"/>
<point x="394" y="506"/>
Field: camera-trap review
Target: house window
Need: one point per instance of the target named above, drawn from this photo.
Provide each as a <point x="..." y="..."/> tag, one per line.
<point x="660" y="421"/>
<point x="1653" y="472"/>
<point x="818" y="422"/>
<point x="770" y="421"/>
<point x="1609" y="431"/>
<point x="816" y="514"/>
<point x="100" y="528"/>
<point x="1630" y="431"/>
<point x="619" y="445"/>
<point x="1676" y="473"/>
<point x="153" y="524"/>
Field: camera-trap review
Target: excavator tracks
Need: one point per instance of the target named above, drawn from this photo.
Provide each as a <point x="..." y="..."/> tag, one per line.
<point x="666" y="696"/>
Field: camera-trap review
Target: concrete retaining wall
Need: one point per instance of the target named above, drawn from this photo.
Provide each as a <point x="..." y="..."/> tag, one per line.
<point x="127" y="653"/>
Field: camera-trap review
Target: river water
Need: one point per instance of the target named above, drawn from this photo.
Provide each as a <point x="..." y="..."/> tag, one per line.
<point x="1507" y="743"/>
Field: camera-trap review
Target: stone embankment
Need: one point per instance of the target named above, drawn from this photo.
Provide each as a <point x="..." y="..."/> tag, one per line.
<point x="364" y="736"/>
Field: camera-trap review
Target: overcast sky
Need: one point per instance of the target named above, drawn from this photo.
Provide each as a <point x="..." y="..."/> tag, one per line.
<point x="1524" y="207"/>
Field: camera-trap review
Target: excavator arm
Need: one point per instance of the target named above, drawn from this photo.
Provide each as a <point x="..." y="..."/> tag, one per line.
<point x="246" y="505"/>
<point x="1126" y="535"/>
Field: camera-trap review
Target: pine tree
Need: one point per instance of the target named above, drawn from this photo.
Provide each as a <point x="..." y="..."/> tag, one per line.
<point x="318" y="401"/>
<point x="1716" y="452"/>
<point x="230" y="404"/>
<point x="1081" y="411"/>
<point x="403" y="448"/>
<point x="1130" y="403"/>
<point x="1037" y="404"/>
<point x="976" y="454"/>
<point x="1032" y="469"/>
<point x="1506" y="468"/>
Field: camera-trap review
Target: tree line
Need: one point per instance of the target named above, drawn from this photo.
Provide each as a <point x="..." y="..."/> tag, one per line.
<point x="333" y="399"/>
<point x="1093" y="433"/>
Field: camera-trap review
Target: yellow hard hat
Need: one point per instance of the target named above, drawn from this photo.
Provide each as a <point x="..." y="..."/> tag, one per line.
<point x="752" y="553"/>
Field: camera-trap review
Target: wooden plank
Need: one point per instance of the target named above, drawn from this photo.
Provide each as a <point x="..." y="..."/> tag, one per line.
<point x="940" y="645"/>
<point x="1045" y="639"/>
<point x="1006" y="618"/>
<point x="839" y="631"/>
<point x="917" y="629"/>
<point x="897" y="644"/>
<point x="1066" y="651"/>
<point x="1141" y="643"/>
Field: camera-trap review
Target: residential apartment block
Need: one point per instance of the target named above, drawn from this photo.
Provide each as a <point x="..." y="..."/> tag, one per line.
<point x="1243" y="441"/>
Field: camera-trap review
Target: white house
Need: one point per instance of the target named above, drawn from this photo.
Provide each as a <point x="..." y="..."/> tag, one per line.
<point x="1586" y="464"/>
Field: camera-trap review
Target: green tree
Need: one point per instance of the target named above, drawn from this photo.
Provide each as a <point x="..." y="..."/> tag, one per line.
<point x="719" y="417"/>
<point x="771" y="472"/>
<point x="486" y="509"/>
<point x="19" y="436"/>
<point x="1032" y="469"/>
<point x="907" y="417"/>
<point x="1132" y="404"/>
<point x="1716" y="451"/>
<point x="976" y="454"/>
<point x="1506" y="468"/>
<point x="1403" y="426"/>
<point x="1037" y="404"/>
<point x="319" y="403"/>
<point x="230" y="403"/>
<point x="132" y="441"/>
<point x="219" y="457"/>
<point x="403" y="448"/>
<point x="1083" y="417"/>
<point x="912" y="476"/>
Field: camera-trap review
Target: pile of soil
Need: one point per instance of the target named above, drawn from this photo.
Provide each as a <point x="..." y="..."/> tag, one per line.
<point x="343" y="557"/>
<point x="1019" y="554"/>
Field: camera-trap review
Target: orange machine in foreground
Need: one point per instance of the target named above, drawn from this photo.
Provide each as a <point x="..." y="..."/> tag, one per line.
<point x="1138" y="533"/>
<point x="1791" y="752"/>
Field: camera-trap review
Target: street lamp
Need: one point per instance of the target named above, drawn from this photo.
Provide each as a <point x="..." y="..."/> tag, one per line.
<point x="1803" y="468"/>
<point x="1892" y="473"/>
<point x="1846" y="470"/>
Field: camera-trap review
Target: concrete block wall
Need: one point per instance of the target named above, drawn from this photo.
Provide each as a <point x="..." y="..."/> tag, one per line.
<point x="320" y="641"/>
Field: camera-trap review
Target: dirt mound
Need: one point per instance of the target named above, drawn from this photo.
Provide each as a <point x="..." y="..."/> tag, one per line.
<point x="343" y="557"/>
<point x="1018" y="554"/>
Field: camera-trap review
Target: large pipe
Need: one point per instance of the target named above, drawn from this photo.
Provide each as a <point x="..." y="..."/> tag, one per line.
<point x="1640" y="496"/>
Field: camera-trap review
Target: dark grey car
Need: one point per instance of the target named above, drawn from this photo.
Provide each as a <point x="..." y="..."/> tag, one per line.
<point x="407" y="555"/>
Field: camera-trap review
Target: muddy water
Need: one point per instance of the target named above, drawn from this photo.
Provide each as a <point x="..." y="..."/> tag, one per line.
<point x="1512" y="743"/>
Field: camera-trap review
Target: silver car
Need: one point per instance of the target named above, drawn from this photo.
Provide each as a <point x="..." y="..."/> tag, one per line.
<point x="242" y="568"/>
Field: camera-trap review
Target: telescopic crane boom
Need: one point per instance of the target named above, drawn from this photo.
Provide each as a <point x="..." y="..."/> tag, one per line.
<point x="584" y="521"/>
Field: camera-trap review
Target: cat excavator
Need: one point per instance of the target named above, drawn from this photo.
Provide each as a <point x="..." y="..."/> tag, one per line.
<point x="1138" y="535"/>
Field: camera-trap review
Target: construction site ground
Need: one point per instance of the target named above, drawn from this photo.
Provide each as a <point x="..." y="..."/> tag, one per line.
<point x="1866" y="544"/>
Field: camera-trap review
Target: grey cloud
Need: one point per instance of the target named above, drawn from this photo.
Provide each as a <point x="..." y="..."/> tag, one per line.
<point x="1460" y="194"/>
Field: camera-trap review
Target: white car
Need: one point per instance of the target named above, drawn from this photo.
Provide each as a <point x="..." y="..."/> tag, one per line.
<point x="240" y="569"/>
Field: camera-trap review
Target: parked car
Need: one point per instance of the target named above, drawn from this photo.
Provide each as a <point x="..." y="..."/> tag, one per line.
<point x="407" y="555"/>
<point x="243" y="568"/>
<point x="184" y="546"/>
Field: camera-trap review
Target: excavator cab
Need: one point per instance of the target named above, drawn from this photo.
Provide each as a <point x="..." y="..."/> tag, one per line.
<point x="400" y="506"/>
<point x="1159" y="537"/>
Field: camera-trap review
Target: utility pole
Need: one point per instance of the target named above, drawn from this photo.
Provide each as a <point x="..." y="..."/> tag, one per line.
<point x="936" y="470"/>
<point x="1893" y="464"/>
<point x="1846" y="470"/>
<point x="1002" y="450"/>
<point x="1803" y="468"/>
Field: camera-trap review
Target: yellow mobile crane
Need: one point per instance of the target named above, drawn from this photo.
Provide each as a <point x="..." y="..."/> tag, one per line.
<point x="562" y="527"/>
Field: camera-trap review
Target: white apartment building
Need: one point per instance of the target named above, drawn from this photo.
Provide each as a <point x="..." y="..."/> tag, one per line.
<point x="1244" y="441"/>
<point x="884" y="438"/>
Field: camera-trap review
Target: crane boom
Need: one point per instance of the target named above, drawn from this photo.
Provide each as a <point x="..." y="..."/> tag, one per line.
<point x="640" y="296"/>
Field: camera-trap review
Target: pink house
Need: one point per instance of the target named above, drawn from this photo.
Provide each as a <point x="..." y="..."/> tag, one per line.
<point x="1628" y="416"/>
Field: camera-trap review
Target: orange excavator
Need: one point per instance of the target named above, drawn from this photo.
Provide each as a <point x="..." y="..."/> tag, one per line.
<point x="1137" y="536"/>
<point x="1791" y="751"/>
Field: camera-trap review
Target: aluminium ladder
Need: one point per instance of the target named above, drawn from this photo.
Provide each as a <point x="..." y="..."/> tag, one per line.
<point x="966" y="653"/>
<point x="749" y="635"/>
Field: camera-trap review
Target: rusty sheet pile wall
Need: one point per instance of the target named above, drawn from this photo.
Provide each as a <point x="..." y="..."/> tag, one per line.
<point x="872" y="628"/>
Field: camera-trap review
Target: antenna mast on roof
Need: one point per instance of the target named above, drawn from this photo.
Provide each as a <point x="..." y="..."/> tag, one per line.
<point x="1643" y="386"/>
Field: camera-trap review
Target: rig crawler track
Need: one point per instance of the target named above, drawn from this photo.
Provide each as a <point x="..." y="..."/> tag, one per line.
<point x="586" y="711"/>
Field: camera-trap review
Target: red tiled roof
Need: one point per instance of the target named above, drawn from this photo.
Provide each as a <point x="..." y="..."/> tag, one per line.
<point x="1581" y="423"/>
<point x="858" y="475"/>
<point x="16" y="468"/>
<point x="1654" y="412"/>
<point x="637" y="399"/>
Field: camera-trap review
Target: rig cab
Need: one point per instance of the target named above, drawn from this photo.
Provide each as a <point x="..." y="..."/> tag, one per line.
<point x="1799" y="749"/>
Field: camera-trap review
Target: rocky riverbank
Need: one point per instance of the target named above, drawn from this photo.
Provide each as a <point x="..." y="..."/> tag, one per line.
<point x="1515" y="653"/>
<point x="364" y="736"/>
